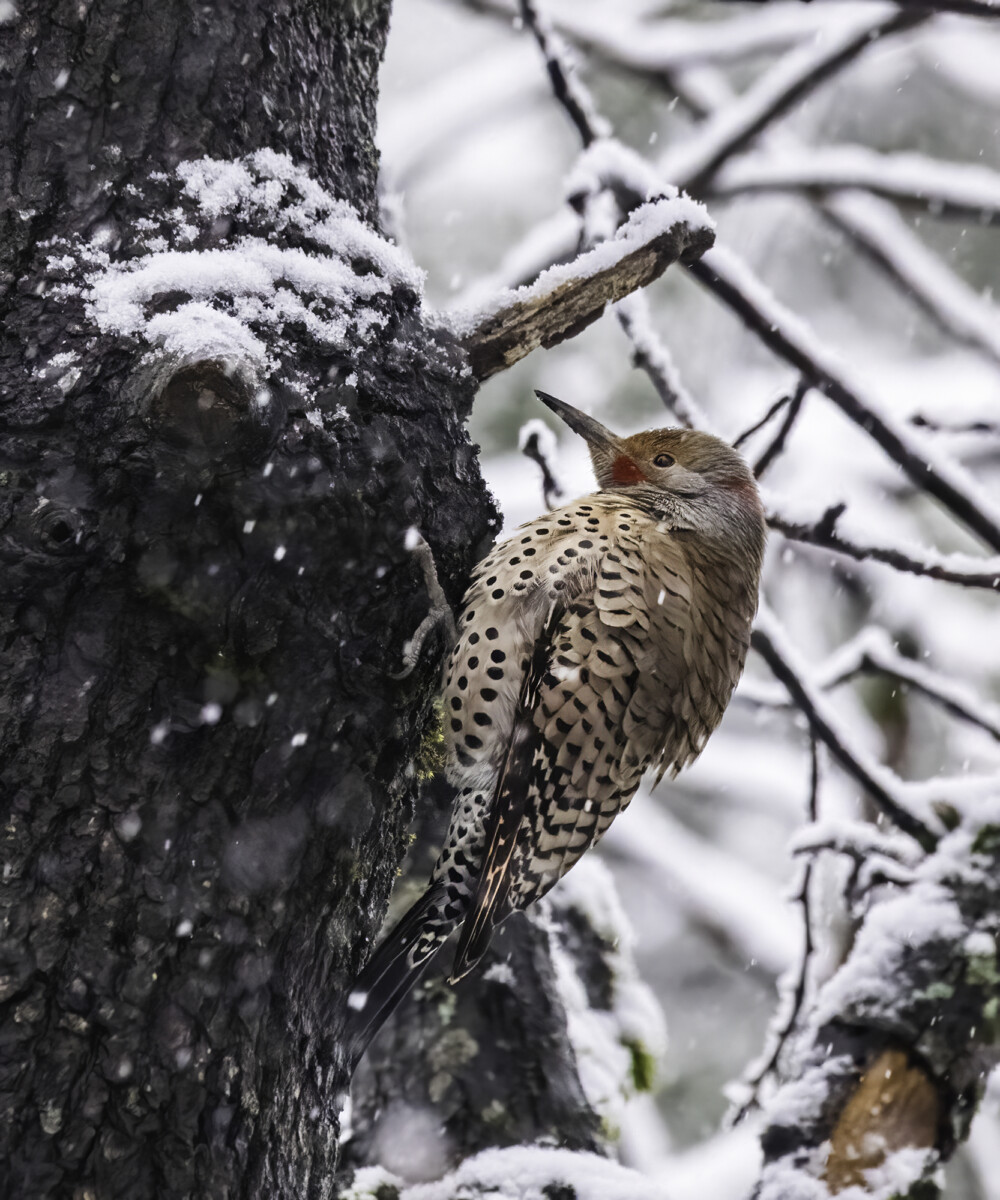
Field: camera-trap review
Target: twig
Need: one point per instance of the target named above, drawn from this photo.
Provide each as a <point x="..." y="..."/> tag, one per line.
<point x="778" y="445"/>
<point x="936" y="426"/>
<point x="776" y="407"/>
<point x="531" y="447"/>
<point x="872" y="652"/>
<point x="440" y="610"/>
<point x="571" y="95"/>
<point x="802" y="897"/>
<point x="973" y="8"/>
<point x="824" y="533"/>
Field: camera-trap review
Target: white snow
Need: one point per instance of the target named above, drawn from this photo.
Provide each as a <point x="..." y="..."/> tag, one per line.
<point x="648" y="222"/>
<point x="235" y="303"/>
<point x="604" y="1040"/>
<point x="523" y="1172"/>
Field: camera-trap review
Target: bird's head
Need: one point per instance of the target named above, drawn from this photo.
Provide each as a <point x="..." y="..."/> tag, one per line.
<point x="680" y="462"/>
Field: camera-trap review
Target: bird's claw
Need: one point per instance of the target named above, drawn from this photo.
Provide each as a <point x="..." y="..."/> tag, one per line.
<point x="440" y="611"/>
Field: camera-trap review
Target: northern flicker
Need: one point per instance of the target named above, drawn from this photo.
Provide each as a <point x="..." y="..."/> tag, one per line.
<point x="601" y="639"/>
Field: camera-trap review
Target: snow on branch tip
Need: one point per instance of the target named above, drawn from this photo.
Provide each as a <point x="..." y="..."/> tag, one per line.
<point x="566" y="298"/>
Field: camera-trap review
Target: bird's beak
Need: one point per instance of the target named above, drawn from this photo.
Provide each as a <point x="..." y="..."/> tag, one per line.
<point x="593" y="432"/>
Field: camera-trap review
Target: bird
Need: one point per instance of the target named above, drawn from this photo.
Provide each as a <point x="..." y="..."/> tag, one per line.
<point x="602" y="639"/>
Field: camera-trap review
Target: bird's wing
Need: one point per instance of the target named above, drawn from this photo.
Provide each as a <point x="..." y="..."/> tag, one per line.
<point x="489" y="903"/>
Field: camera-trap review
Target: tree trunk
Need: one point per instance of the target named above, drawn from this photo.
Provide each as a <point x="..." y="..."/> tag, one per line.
<point x="208" y="473"/>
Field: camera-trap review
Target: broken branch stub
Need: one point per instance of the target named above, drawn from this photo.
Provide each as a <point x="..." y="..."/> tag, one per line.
<point x="567" y="298"/>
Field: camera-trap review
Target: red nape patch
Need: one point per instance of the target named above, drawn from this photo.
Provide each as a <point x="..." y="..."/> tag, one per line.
<point x="624" y="470"/>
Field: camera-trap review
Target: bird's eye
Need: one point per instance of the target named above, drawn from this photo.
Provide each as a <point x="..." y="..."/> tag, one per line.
<point x="664" y="460"/>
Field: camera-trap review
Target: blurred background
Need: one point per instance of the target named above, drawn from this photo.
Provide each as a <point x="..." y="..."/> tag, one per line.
<point x="475" y="153"/>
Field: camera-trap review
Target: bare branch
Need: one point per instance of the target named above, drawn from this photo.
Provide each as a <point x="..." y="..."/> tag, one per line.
<point x="935" y="566"/>
<point x="791" y="416"/>
<point x="873" y="652"/>
<point x="649" y="48"/>
<point x="567" y="298"/>
<point x="535" y="442"/>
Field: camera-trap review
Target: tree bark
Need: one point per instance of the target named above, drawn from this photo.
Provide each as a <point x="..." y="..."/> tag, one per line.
<point x="205" y="591"/>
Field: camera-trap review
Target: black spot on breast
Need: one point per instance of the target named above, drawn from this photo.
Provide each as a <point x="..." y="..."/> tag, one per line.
<point x="463" y="682"/>
<point x="586" y="544"/>
<point x="527" y="575"/>
<point x="481" y="719"/>
<point x="456" y="725"/>
<point x="514" y="561"/>
<point x="498" y="656"/>
<point x="528" y="553"/>
<point x="456" y="703"/>
<point x="473" y="663"/>
<point x="488" y="694"/>
<point x="570" y="552"/>
<point x="494" y="672"/>
<point x="473" y="742"/>
<point x="473" y="638"/>
<point x="491" y="581"/>
<point x="542" y="532"/>
<point x="492" y="633"/>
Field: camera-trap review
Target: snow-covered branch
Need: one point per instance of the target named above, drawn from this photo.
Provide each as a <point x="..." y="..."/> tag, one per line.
<point x="732" y="127"/>
<point x="946" y="189"/>
<point x="565" y="299"/>
<point x="963" y="569"/>
<point x="729" y="279"/>
<point x="884" y="788"/>
<point x="888" y="1069"/>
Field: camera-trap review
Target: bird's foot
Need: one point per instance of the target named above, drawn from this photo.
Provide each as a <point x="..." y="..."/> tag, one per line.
<point x="440" y="611"/>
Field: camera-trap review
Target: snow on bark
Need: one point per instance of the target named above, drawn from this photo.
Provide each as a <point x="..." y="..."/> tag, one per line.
<point x="894" y="1050"/>
<point x="312" y="267"/>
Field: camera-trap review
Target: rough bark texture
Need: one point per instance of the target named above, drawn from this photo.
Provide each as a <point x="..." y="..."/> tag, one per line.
<point x="204" y="757"/>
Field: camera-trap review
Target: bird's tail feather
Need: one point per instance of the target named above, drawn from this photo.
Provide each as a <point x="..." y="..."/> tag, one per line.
<point x="392" y="970"/>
